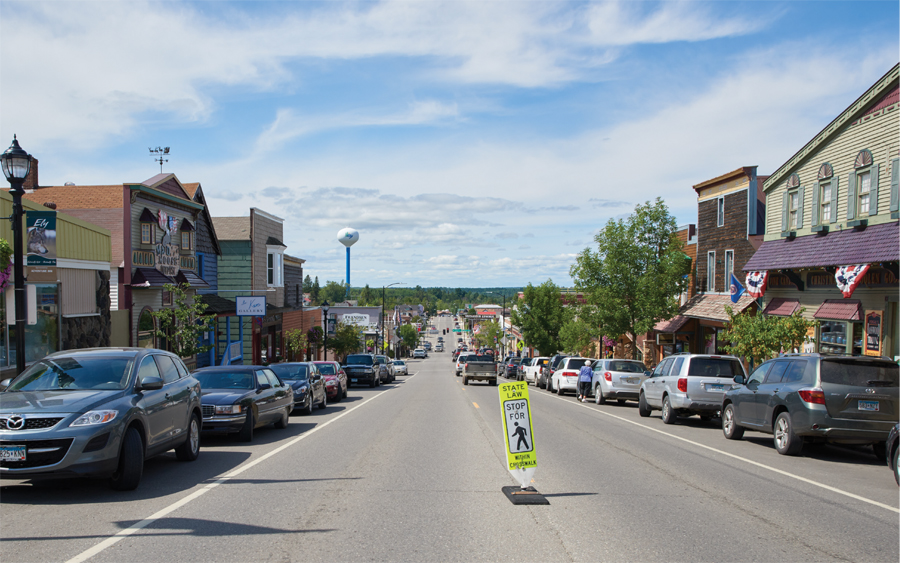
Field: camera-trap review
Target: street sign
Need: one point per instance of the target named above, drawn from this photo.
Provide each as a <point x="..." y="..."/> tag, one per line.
<point x="516" y="410"/>
<point x="520" y="345"/>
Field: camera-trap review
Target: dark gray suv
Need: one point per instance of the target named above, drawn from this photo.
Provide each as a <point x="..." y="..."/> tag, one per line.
<point x="810" y="397"/>
<point x="98" y="412"/>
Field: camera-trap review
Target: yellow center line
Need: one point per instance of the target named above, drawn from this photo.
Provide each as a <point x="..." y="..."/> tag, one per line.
<point x="476" y="405"/>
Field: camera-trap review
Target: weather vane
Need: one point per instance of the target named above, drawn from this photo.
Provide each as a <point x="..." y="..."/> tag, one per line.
<point x="159" y="154"/>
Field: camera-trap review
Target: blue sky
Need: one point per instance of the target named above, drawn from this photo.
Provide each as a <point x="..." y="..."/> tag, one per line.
<point x="470" y="143"/>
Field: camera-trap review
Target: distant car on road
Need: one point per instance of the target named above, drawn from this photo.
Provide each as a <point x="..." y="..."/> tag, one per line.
<point x="306" y="383"/>
<point x="419" y="353"/>
<point x="98" y="412"/>
<point x="400" y="367"/>
<point x="361" y="368"/>
<point x="335" y="380"/>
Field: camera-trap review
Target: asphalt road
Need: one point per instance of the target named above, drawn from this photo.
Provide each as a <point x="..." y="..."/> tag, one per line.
<point x="412" y="471"/>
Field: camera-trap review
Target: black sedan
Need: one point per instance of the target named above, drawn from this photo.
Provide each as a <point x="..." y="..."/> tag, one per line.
<point x="240" y="399"/>
<point x="307" y="383"/>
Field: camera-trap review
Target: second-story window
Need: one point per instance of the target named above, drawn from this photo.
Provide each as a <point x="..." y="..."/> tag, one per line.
<point x="711" y="271"/>
<point x="720" y="212"/>
<point x="274" y="269"/>
<point x="729" y="266"/>
<point x="186" y="242"/>
<point x="146" y="233"/>
<point x="863" y="189"/>
<point x="793" y="210"/>
<point x="825" y="203"/>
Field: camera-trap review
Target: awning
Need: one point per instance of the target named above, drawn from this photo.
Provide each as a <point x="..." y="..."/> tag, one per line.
<point x="782" y="307"/>
<point x="840" y="310"/>
<point x="190" y="278"/>
<point x="712" y="306"/>
<point x="216" y="305"/>
<point x="671" y="325"/>
<point x="874" y="244"/>
<point x="149" y="277"/>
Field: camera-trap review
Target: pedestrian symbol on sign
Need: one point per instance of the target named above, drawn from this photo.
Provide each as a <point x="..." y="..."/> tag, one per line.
<point x="521" y="432"/>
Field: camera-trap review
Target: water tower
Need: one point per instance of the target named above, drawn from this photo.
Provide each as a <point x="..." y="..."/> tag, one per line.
<point x="348" y="238"/>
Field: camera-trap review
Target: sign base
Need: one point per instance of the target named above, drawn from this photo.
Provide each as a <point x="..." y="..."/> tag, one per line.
<point x="518" y="495"/>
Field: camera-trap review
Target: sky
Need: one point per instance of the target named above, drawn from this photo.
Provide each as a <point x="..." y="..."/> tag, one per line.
<point x="472" y="144"/>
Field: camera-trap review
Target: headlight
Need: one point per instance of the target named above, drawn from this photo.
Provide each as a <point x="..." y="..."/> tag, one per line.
<point x="228" y="409"/>
<point x="301" y="390"/>
<point x="94" y="417"/>
<point x="330" y="383"/>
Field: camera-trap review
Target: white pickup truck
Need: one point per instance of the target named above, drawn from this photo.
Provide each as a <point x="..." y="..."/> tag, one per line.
<point x="479" y="368"/>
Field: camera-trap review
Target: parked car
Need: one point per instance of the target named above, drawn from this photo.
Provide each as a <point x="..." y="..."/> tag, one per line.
<point x="520" y="369"/>
<point x="335" y="380"/>
<point x="400" y="367"/>
<point x="510" y="367"/>
<point x="361" y="368"/>
<point x="387" y="368"/>
<point x="306" y="383"/>
<point x="501" y="367"/>
<point x="617" y="379"/>
<point x="548" y="369"/>
<point x="565" y="378"/>
<point x="419" y="353"/>
<point x="461" y="361"/>
<point x="98" y="412"/>
<point x="439" y="347"/>
<point x="810" y="397"/>
<point x="240" y="399"/>
<point x="426" y="346"/>
<point x="689" y="384"/>
<point x="892" y="451"/>
<point x="533" y="370"/>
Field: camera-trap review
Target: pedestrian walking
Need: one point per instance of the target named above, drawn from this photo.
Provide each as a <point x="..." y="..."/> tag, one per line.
<point x="585" y="377"/>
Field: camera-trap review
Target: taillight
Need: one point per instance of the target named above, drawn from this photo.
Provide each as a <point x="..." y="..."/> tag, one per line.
<point x="607" y="376"/>
<point x="570" y="374"/>
<point x="682" y="384"/>
<point x="814" y="396"/>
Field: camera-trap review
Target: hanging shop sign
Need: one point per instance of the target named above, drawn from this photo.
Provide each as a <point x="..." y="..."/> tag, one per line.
<point x="168" y="255"/>
<point x="250" y="306"/>
<point x="356" y="319"/>
<point x="873" y="332"/>
<point x="848" y="277"/>
<point x="41" y="233"/>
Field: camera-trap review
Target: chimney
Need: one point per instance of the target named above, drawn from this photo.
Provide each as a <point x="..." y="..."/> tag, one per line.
<point x="31" y="181"/>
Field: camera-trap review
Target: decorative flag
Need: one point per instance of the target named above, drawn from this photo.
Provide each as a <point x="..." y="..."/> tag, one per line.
<point x="756" y="283"/>
<point x="848" y="277"/>
<point x="477" y="329"/>
<point x="736" y="289"/>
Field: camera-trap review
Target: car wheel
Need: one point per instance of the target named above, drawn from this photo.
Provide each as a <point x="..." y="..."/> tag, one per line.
<point x="309" y="408"/>
<point x="730" y="428"/>
<point x="246" y="433"/>
<point x="372" y="384"/>
<point x="190" y="449"/>
<point x="880" y="450"/>
<point x="599" y="398"/>
<point x="786" y="442"/>
<point x="668" y="414"/>
<point x="896" y="468"/>
<point x="131" y="462"/>
<point x="465" y="380"/>
<point x="284" y="420"/>
<point x="643" y="407"/>
<point x="324" y="402"/>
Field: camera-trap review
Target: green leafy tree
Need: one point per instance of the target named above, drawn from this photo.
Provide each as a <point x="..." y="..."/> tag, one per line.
<point x="183" y="324"/>
<point x="489" y="331"/>
<point x="761" y="337"/>
<point x="346" y="340"/>
<point x="636" y="272"/>
<point x="307" y="284"/>
<point x="410" y="336"/>
<point x="333" y="292"/>
<point x="580" y="331"/>
<point x="366" y="296"/>
<point x="296" y="342"/>
<point x="540" y="316"/>
<point x="314" y="292"/>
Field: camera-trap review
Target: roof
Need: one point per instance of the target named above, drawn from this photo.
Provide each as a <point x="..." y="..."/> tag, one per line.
<point x="877" y="243"/>
<point x="149" y="277"/>
<point x="288" y="258"/>
<point x="216" y="305"/>
<point x="671" y="325"/>
<point x="742" y="171"/>
<point x="712" y="306"/>
<point x="782" y="307"/>
<point x="191" y="278"/>
<point x="191" y="188"/>
<point x="872" y="96"/>
<point x="232" y="228"/>
<point x="272" y="241"/>
<point x="79" y="197"/>
<point x="840" y="309"/>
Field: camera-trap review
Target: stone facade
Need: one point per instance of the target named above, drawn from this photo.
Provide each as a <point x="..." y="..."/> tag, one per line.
<point x="88" y="332"/>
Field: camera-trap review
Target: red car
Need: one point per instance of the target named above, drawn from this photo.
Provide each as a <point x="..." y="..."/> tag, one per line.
<point x="335" y="380"/>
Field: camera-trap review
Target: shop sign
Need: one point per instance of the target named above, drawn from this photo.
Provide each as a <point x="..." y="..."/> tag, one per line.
<point x="873" y="332"/>
<point x="250" y="306"/>
<point x="168" y="257"/>
<point x="41" y="234"/>
<point x="356" y="319"/>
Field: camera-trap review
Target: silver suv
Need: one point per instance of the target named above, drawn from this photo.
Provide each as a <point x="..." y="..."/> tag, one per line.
<point x="618" y="379"/>
<point x="688" y="384"/>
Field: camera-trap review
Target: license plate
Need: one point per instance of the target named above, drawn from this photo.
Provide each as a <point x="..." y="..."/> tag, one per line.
<point x="12" y="453"/>
<point x="630" y="379"/>
<point x="715" y="387"/>
<point x="868" y="406"/>
<point x="353" y="380"/>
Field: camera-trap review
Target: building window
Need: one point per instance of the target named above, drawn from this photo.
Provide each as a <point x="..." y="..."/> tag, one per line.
<point x="729" y="266"/>
<point x="711" y="271"/>
<point x="186" y="242"/>
<point x="147" y="233"/>
<point x="275" y="267"/>
<point x="146" y="329"/>
<point x="200" y="265"/>
<point x="825" y="203"/>
<point x="793" y="210"/>
<point x="863" y="187"/>
<point x="720" y="212"/>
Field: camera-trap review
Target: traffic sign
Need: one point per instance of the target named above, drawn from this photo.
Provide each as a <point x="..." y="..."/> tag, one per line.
<point x="520" y="345"/>
<point x="516" y="410"/>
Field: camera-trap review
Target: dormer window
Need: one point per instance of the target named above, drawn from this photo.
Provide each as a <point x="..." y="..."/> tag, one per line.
<point x="187" y="235"/>
<point x="148" y="227"/>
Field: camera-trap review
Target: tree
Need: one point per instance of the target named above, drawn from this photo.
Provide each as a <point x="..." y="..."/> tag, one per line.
<point x="540" y="315"/>
<point x="636" y="273"/>
<point x="314" y="293"/>
<point x="346" y="340"/>
<point x="410" y="336"/>
<point x="295" y="343"/>
<point x="489" y="334"/>
<point x="183" y="324"/>
<point x="366" y="296"/>
<point x="307" y="284"/>
<point x="579" y="332"/>
<point x="760" y="337"/>
<point x="333" y="292"/>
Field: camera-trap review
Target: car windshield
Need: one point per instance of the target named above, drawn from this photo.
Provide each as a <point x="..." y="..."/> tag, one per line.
<point x="359" y="360"/>
<point x="715" y="367"/>
<point x="626" y="366"/>
<point x="291" y="371"/>
<point x="326" y="369"/>
<point x="860" y="374"/>
<point x="225" y="379"/>
<point x="577" y="363"/>
<point x="399" y="363"/>
<point x="72" y="374"/>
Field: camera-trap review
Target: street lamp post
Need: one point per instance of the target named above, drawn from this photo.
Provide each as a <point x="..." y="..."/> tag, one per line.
<point x="382" y="314"/>
<point x="325" y="332"/>
<point x="16" y="165"/>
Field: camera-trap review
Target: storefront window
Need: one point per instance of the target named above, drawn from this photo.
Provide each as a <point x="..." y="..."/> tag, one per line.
<point x="145" y="329"/>
<point x="833" y="337"/>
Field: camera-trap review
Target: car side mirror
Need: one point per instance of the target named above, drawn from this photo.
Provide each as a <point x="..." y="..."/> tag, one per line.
<point x="263" y="387"/>
<point x="648" y="373"/>
<point x="739" y="379"/>
<point x="150" y="384"/>
<point x="4" y="384"/>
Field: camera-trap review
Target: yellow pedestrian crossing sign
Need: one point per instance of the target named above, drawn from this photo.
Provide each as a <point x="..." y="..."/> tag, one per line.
<point x="520" y="345"/>
<point x="516" y="408"/>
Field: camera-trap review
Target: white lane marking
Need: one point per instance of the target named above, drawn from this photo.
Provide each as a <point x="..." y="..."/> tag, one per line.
<point x="739" y="458"/>
<point x="112" y="540"/>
